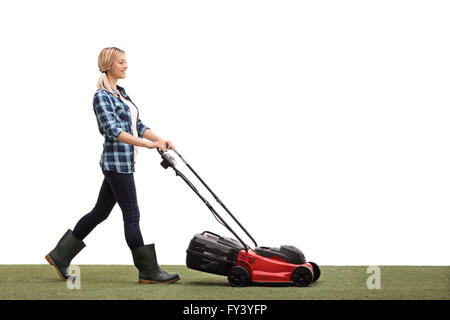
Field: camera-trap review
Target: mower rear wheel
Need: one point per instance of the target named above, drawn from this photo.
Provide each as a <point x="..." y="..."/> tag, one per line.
<point x="302" y="276"/>
<point x="238" y="277"/>
<point x="316" y="270"/>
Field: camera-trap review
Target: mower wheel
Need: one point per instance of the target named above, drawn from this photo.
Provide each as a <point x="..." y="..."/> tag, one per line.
<point x="316" y="270"/>
<point x="302" y="276"/>
<point x="238" y="276"/>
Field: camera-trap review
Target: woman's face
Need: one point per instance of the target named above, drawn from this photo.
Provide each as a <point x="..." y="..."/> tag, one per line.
<point x="119" y="68"/>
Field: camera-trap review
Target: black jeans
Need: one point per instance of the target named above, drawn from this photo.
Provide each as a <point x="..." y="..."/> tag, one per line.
<point x="116" y="188"/>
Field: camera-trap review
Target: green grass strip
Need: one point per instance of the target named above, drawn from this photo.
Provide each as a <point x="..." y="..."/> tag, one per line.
<point x="120" y="282"/>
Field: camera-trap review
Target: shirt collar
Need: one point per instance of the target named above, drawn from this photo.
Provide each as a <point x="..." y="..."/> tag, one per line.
<point x="121" y="89"/>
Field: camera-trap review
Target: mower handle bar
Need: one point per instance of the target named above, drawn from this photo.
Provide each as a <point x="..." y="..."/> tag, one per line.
<point x="167" y="162"/>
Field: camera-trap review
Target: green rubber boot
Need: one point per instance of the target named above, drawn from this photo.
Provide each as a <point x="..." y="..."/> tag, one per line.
<point x="145" y="260"/>
<point x="66" y="249"/>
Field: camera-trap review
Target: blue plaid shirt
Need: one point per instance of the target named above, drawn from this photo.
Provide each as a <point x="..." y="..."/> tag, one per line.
<point x="113" y="117"/>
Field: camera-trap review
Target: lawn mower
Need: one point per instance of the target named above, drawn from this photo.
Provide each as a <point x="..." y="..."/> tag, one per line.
<point x="212" y="253"/>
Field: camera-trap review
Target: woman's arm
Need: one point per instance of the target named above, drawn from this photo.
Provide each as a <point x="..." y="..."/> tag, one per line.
<point x="125" y="137"/>
<point x="150" y="135"/>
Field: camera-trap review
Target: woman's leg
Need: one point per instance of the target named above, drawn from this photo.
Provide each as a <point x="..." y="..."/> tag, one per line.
<point x="124" y="190"/>
<point x="144" y="256"/>
<point x="102" y="209"/>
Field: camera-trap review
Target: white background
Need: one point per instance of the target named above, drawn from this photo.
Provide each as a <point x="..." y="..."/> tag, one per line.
<point x="320" y="124"/>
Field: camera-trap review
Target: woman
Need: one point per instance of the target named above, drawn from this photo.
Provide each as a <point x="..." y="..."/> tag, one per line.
<point x="118" y="121"/>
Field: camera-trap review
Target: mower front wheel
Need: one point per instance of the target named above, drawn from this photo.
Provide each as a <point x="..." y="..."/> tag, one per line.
<point x="238" y="277"/>
<point x="302" y="276"/>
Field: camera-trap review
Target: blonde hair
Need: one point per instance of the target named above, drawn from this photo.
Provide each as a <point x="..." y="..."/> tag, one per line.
<point x="106" y="60"/>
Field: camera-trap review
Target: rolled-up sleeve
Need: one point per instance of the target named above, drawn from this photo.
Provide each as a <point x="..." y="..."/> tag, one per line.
<point x="107" y="119"/>
<point x="141" y="128"/>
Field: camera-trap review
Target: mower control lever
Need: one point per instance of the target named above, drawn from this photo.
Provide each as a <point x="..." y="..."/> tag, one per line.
<point x="168" y="160"/>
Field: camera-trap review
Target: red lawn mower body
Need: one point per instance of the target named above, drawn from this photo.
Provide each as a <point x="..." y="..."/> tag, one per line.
<point x="264" y="269"/>
<point x="272" y="269"/>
